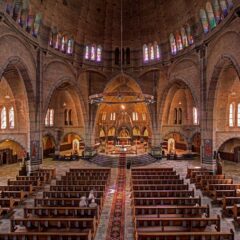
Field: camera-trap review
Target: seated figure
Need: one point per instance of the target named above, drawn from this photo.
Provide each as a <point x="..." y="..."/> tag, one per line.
<point x="93" y="204"/>
<point x="91" y="196"/>
<point x="83" y="202"/>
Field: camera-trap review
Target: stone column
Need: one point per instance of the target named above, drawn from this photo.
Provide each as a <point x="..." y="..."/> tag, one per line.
<point x="36" y="125"/>
<point x="206" y="152"/>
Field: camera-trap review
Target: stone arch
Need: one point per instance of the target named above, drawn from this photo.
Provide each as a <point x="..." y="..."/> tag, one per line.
<point x="13" y="139"/>
<point x="72" y="84"/>
<point x="175" y="83"/>
<point x="181" y="133"/>
<point x="71" y="132"/>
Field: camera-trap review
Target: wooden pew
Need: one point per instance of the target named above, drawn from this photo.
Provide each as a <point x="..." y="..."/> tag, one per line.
<point x="78" y="212"/>
<point x="17" y="195"/>
<point x="218" y="195"/>
<point x="170" y="211"/>
<point x="154" y="173"/>
<point x="207" y="177"/>
<point x="184" y="235"/>
<point x="81" y="182"/>
<point x="51" y="171"/>
<point x="167" y="169"/>
<point x="228" y="203"/>
<point x="175" y="224"/>
<point x="160" y="187"/>
<point x="47" y="175"/>
<point x="25" y="188"/>
<point x="63" y="202"/>
<point x="205" y="182"/>
<point x="196" y="174"/>
<point x="36" y="183"/>
<point x="88" y="188"/>
<point x="53" y="224"/>
<point x="42" y="179"/>
<point x="191" y="169"/>
<point x="179" y="201"/>
<point x="210" y="188"/>
<point x="85" y="178"/>
<point x="157" y="182"/>
<point x="47" y="235"/>
<point x="153" y="177"/>
<point x="162" y="193"/>
<point x="7" y="205"/>
<point x="71" y="194"/>
<point x="88" y="174"/>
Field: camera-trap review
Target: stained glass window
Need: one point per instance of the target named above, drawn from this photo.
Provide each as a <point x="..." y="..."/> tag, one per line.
<point x="173" y="44"/>
<point x="70" y="44"/>
<point x="11" y="118"/>
<point x="145" y="53"/>
<point x="189" y="34"/>
<point x="93" y="53"/>
<point x="87" y="52"/>
<point x="156" y="50"/>
<point x="238" y="117"/>
<point x="217" y="10"/>
<point x="58" y="40"/>
<point x="195" y="116"/>
<point x="204" y="20"/>
<point x="63" y="44"/>
<point x="179" y="42"/>
<point x="151" y="51"/>
<point x="231" y="115"/>
<point x="184" y="37"/>
<point x="37" y="24"/>
<point x="99" y="54"/>
<point x="4" y="118"/>
<point x="224" y="7"/>
<point x="51" y="117"/>
<point x="210" y="14"/>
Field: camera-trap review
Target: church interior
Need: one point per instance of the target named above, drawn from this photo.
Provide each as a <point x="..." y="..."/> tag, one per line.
<point x="119" y="120"/>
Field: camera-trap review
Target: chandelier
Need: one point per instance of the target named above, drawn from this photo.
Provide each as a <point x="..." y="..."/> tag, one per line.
<point x="121" y="97"/>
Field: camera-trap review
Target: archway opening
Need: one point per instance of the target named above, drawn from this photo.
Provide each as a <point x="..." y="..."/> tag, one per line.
<point x="123" y="123"/>
<point x="196" y="143"/>
<point x="230" y="150"/>
<point x="71" y="144"/>
<point x="48" y="143"/>
<point x="174" y="143"/>
<point x="11" y="152"/>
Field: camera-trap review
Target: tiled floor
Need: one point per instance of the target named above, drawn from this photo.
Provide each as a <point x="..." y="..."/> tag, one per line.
<point x="230" y="169"/>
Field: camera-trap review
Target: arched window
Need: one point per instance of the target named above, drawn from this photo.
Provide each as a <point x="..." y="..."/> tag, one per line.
<point x="230" y="4"/>
<point x="117" y="55"/>
<point x="66" y="117"/>
<point x="4" y="118"/>
<point x="173" y="44"/>
<point x="113" y="116"/>
<point x="70" y="44"/>
<point x="189" y="34"/>
<point x="51" y="37"/>
<point x="11" y="118"/>
<point x="145" y="53"/>
<point x="224" y="7"/>
<point x="63" y="43"/>
<point x="51" y="117"/>
<point x="99" y="53"/>
<point x="210" y="14"/>
<point x="9" y="6"/>
<point x="58" y="41"/>
<point x="231" y="115"/>
<point x="151" y="49"/>
<point x="175" y="116"/>
<point x="184" y="37"/>
<point x="144" y="117"/>
<point x="70" y="116"/>
<point x="87" y="52"/>
<point x="24" y="13"/>
<point x="16" y="9"/>
<point x="93" y="52"/>
<point x="47" y="118"/>
<point x="128" y="58"/>
<point x="179" y="116"/>
<point x="37" y="24"/>
<point x="135" y="116"/>
<point x="30" y="20"/>
<point x="104" y="116"/>
<point x="179" y="42"/>
<point x="195" y="116"/>
<point x="238" y="116"/>
<point x="156" y="50"/>
<point x="204" y="20"/>
<point x="217" y="10"/>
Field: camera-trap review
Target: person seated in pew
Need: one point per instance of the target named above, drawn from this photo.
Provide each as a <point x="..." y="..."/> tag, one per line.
<point x="93" y="204"/>
<point x="83" y="202"/>
<point x="91" y="196"/>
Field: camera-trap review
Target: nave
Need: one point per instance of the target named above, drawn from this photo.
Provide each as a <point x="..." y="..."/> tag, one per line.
<point x="105" y="228"/>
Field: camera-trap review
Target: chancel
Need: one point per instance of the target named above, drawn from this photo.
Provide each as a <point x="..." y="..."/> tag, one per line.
<point x="119" y="120"/>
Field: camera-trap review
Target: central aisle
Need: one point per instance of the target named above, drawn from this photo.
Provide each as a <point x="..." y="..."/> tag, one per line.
<point x="117" y="220"/>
